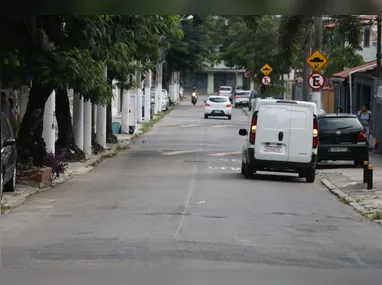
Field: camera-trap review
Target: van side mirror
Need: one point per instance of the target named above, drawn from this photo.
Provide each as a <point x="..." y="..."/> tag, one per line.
<point x="9" y="142"/>
<point x="243" y="132"/>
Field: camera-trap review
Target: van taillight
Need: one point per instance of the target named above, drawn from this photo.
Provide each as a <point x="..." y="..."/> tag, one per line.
<point x="252" y="136"/>
<point x="315" y="133"/>
<point x="361" y="136"/>
<point x="208" y="105"/>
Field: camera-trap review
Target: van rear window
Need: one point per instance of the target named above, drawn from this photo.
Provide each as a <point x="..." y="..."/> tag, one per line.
<point x="274" y="117"/>
<point x="226" y="88"/>
<point x="219" y="100"/>
<point x="335" y="123"/>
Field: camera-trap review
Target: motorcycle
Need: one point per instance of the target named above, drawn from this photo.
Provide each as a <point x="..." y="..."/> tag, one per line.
<point x="194" y="98"/>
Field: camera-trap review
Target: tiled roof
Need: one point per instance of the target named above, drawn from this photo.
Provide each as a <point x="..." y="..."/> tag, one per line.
<point x="345" y="74"/>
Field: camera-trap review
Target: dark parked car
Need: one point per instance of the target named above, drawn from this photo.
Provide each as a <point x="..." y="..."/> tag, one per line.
<point x="8" y="156"/>
<point x="342" y="137"/>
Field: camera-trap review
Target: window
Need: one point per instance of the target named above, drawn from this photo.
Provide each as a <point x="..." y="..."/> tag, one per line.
<point x="243" y="94"/>
<point x="366" y="37"/>
<point x="226" y="88"/>
<point x="219" y="100"/>
<point x="326" y="124"/>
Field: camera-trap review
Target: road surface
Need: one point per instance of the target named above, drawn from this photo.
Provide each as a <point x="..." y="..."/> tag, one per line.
<point x="176" y="199"/>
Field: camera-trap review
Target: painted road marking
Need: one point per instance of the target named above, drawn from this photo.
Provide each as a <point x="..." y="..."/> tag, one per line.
<point x="190" y="126"/>
<point x="178" y="152"/>
<point x="233" y="160"/>
<point x="224" y="153"/>
<point x="224" y="168"/>
<point x="223" y="126"/>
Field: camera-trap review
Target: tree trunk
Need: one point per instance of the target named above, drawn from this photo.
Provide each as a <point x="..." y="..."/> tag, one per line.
<point x="96" y="148"/>
<point x="65" y="143"/>
<point x="30" y="144"/>
<point x="110" y="137"/>
<point x="306" y="70"/>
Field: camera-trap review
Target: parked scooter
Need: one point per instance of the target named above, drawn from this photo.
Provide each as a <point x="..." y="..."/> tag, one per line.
<point x="194" y="98"/>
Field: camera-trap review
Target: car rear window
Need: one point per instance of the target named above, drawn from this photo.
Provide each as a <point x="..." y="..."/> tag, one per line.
<point x="335" y="123"/>
<point x="226" y="88"/>
<point x="243" y="93"/>
<point x="218" y="100"/>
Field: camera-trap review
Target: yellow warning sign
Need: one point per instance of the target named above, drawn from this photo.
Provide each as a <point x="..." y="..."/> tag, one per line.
<point x="266" y="69"/>
<point x="316" y="60"/>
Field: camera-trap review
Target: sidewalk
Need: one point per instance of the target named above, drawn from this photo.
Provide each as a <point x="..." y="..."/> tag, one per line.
<point x="346" y="182"/>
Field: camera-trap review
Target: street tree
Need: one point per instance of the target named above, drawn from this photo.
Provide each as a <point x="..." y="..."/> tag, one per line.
<point x="193" y="51"/>
<point x="251" y="43"/>
<point x="296" y="31"/>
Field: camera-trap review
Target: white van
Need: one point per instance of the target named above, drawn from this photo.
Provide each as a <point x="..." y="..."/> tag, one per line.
<point x="282" y="136"/>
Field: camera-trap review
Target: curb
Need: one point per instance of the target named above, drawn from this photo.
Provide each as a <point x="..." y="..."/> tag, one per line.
<point x="342" y="195"/>
<point x="245" y="111"/>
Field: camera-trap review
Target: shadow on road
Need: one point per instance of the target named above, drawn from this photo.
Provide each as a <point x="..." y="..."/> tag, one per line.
<point x="334" y="165"/>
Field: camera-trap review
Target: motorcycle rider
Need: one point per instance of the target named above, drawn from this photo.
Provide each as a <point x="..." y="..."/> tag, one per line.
<point x="194" y="90"/>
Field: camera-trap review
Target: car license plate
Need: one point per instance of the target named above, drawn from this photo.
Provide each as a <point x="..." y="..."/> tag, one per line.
<point x="276" y="149"/>
<point x="338" y="149"/>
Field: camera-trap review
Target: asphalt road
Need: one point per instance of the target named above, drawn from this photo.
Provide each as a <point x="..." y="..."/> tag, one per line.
<point x="176" y="199"/>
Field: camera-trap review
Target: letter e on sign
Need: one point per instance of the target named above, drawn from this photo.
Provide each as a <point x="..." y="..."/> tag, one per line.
<point x="266" y="80"/>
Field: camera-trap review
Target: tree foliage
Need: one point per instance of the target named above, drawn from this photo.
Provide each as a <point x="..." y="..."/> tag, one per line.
<point x="342" y="44"/>
<point x="252" y="42"/>
<point x="194" y="50"/>
<point x="341" y="48"/>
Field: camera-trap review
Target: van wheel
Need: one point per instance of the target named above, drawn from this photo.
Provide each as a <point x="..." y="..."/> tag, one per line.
<point x="229" y="117"/>
<point x="235" y="106"/>
<point x="242" y="167"/>
<point x="248" y="172"/>
<point x="310" y="175"/>
<point x="205" y="117"/>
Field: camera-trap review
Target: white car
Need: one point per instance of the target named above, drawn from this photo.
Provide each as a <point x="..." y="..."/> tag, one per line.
<point x="241" y="98"/>
<point x="218" y="106"/>
<point x="281" y="136"/>
<point x="225" y="91"/>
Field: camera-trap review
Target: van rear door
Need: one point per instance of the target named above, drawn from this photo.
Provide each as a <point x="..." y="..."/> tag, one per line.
<point x="273" y="132"/>
<point x="301" y="133"/>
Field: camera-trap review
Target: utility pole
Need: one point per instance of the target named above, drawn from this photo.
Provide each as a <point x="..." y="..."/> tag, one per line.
<point x="379" y="31"/>
<point x="318" y="27"/>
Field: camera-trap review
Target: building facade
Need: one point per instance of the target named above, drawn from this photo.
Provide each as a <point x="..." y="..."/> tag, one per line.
<point x="209" y="81"/>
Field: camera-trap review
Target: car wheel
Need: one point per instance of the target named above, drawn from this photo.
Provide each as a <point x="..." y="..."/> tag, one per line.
<point x="229" y="117"/>
<point x="248" y="172"/>
<point x="310" y="175"/>
<point x="242" y="167"/>
<point x="235" y="106"/>
<point x="11" y="185"/>
<point x="205" y="116"/>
